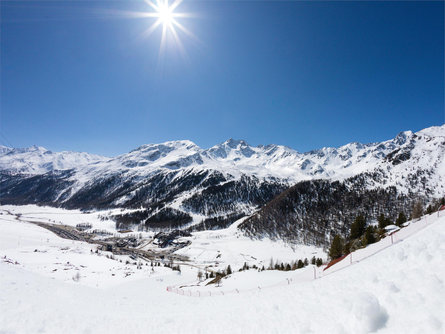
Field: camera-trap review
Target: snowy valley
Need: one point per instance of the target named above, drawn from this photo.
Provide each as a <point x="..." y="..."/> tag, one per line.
<point x="232" y="239"/>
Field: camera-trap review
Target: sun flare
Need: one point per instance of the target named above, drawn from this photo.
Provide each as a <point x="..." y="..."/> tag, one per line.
<point x="166" y="15"/>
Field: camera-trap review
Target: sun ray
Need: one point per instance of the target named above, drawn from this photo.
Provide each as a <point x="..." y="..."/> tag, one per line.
<point x="185" y="30"/>
<point x="151" y="29"/>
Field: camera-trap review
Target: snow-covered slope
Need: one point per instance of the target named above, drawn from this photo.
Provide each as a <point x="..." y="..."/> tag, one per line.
<point x="398" y="290"/>
<point x="179" y="181"/>
<point x="39" y="160"/>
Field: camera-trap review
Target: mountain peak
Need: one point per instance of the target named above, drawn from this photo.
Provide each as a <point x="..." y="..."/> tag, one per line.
<point x="433" y="131"/>
<point x="234" y="143"/>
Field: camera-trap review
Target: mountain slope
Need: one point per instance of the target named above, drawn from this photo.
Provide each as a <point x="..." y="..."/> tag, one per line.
<point x="180" y="185"/>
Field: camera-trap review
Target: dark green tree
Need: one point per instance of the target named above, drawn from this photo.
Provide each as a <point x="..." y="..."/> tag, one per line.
<point x="358" y="227"/>
<point x="381" y="220"/>
<point x="429" y="210"/>
<point x="306" y="262"/>
<point x="313" y="260"/>
<point x="228" y="270"/>
<point x="300" y="264"/>
<point x="369" y="237"/>
<point x="336" y="249"/>
<point x="401" y="219"/>
<point x="319" y="262"/>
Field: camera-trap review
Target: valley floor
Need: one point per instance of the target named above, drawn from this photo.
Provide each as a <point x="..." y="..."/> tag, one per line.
<point x="400" y="289"/>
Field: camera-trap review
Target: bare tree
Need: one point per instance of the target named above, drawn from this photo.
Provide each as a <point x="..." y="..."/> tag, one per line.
<point x="417" y="210"/>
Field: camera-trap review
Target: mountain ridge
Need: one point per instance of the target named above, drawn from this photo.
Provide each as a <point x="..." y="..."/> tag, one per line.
<point x="177" y="184"/>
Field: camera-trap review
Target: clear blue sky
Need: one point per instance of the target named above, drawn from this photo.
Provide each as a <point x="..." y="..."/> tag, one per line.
<point x="77" y="76"/>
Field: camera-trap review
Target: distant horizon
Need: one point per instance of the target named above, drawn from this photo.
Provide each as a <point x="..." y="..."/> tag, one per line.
<point x="222" y="142"/>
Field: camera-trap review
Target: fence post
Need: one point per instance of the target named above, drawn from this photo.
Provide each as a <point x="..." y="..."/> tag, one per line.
<point x="350" y="258"/>
<point x="315" y="273"/>
<point x="392" y="241"/>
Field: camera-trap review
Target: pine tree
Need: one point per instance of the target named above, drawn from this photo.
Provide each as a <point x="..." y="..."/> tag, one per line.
<point x="313" y="260"/>
<point x="306" y="262"/>
<point x="336" y="249"/>
<point x="319" y="262"/>
<point x="382" y="221"/>
<point x="401" y="219"/>
<point x="429" y="210"/>
<point x="358" y="227"/>
<point x="300" y="264"/>
<point x="245" y="266"/>
<point x="369" y="237"/>
<point x="228" y="270"/>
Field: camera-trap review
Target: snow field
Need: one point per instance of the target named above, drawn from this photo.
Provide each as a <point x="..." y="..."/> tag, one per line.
<point x="400" y="289"/>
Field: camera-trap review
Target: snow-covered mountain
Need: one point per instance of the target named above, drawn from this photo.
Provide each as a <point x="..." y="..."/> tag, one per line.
<point x="38" y="160"/>
<point x="236" y="157"/>
<point x="177" y="183"/>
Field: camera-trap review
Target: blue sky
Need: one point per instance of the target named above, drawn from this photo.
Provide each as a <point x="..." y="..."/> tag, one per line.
<point x="77" y="75"/>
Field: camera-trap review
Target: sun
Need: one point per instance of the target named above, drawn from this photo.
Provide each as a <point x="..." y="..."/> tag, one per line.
<point x="166" y="15"/>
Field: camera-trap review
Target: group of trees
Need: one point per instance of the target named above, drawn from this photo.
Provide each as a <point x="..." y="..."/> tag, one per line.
<point x="274" y="265"/>
<point x="362" y="234"/>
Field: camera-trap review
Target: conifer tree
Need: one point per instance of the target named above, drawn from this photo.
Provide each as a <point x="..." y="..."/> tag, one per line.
<point x="382" y="221"/>
<point x="429" y="210"/>
<point x="401" y="219"/>
<point x="336" y="249"/>
<point x="300" y="264"/>
<point x="358" y="227"/>
<point x="228" y="270"/>
<point x="369" y="237"/>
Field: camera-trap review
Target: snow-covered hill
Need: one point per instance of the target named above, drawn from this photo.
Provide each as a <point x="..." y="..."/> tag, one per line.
<point x="178" y="184"/>
<point x="397" y="290"/>
<point x="38" y="160"/>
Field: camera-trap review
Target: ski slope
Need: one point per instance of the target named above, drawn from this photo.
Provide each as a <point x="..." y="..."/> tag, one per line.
<point x="400" y="289"/>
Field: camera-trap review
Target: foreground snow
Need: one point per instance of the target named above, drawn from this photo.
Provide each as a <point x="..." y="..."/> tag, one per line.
<point x="398" y="290"/>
